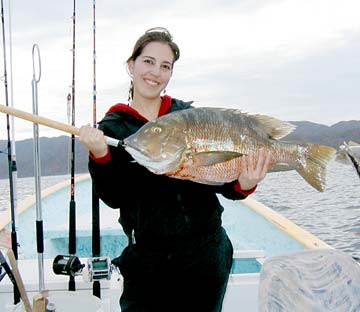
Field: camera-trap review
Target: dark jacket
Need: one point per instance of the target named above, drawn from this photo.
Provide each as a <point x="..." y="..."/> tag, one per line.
<point x="157" y="207"/>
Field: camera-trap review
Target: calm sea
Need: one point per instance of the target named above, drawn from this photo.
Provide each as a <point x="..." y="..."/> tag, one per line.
<point x="333" y="216"/>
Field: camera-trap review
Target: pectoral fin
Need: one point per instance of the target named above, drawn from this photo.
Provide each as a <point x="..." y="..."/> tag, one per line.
<point x="211" y="158"/>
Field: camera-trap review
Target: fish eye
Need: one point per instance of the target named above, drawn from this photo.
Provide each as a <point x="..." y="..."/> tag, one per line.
<point x="156" y="130"/>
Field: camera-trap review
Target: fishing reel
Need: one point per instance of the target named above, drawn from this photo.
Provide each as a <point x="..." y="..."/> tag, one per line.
<point x="67" y="265"/>
<point x="97" y="268"/>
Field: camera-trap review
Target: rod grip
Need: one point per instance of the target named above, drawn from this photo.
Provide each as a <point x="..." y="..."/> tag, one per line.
<point x="50" y="123"/>
<point x="39" y="120"/>
<point x="39" y="236"/>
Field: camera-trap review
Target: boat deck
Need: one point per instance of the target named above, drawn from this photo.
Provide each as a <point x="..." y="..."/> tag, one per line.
<point x="242" y="287"/>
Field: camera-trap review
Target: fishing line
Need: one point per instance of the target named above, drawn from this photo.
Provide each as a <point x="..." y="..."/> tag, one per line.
<point x="11" y="163"/>
<point x="95" y="198"/>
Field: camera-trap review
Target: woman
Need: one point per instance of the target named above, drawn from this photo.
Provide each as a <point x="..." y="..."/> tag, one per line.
<point x="179" y="256"/>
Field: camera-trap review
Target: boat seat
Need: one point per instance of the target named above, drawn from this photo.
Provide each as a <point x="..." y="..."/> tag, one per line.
<point x="319" y="280"/>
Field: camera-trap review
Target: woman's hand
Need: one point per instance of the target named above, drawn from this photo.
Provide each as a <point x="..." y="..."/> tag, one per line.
<point x="252" y="173"/>
<point x="94" y="140"/>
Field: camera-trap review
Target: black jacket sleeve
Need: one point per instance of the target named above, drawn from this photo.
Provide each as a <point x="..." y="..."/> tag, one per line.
<point x="116" y="181"/>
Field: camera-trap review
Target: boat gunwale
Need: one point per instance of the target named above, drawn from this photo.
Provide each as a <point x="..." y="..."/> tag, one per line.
<point x="29" y="201"/>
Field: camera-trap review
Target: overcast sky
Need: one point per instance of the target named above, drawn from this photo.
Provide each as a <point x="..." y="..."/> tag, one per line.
<point x="290" y="59"/>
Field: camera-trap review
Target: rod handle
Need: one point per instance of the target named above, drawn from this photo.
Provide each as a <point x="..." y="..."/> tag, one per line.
<point x="50" y="123"/>
<point x="39" y="120"/>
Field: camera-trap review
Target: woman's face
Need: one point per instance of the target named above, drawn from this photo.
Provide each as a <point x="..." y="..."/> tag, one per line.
<point x="152" y="70"/>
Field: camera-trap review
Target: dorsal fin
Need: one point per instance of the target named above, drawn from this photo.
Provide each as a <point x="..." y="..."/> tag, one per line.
<point x="275" y="128"/>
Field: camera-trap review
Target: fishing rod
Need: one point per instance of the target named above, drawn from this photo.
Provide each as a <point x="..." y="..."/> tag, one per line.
<point x="52" y="123"/>
<point x="95" y="198"/>
<point x="11" y="163"/>
<point x="72" y="204"/>
<point x="13" y="145"/>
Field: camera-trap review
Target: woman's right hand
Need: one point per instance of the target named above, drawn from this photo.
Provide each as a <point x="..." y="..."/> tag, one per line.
<point x="94" y="141"/>
<point x="253" y="171"/>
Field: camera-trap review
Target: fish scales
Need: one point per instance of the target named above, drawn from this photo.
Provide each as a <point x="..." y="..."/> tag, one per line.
<point x="218" y="130"/>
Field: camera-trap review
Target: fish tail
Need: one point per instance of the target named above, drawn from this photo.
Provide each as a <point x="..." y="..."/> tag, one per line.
<point x="313" y="166"/>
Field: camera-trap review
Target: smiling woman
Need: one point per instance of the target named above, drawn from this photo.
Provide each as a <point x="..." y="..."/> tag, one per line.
<point x="176" y="224"/>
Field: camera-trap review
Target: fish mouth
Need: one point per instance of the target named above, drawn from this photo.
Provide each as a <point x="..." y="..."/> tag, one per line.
<point x="156" y="165"/>
<point x="136" y="152"/>
<point x="143" y="158"/>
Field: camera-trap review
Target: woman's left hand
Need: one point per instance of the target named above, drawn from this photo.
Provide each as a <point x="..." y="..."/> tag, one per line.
<point x="253" y="172"/>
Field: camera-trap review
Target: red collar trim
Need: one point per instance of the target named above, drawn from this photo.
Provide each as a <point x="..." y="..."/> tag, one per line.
<point x="165" y="105"/>
<point x="164" y="108"/>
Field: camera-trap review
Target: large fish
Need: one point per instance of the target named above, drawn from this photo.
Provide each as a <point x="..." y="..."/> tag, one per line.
<point x="205" y="145"/>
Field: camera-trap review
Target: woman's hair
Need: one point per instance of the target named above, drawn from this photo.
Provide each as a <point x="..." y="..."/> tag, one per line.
<point x="156" y="34"/>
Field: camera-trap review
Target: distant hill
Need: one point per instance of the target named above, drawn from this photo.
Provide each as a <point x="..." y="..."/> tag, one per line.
<point x="55" y="151"/>
<point x="54" y="156"/>
<point x="333" y="135"/>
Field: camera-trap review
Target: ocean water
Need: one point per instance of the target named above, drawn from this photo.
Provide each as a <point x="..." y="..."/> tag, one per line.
<point x="333" y="216"/>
